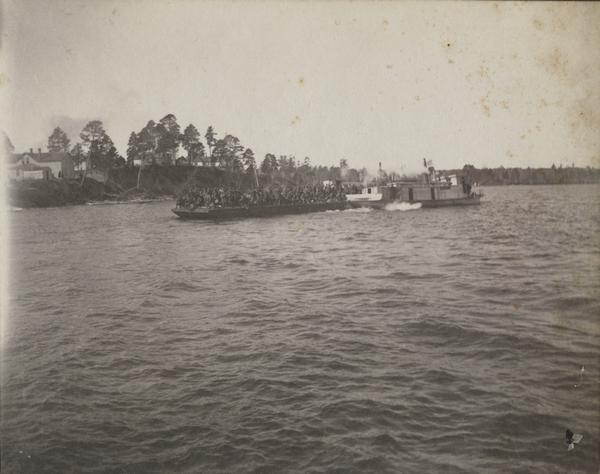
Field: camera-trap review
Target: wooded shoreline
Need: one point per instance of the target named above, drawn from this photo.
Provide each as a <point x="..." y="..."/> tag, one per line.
<point x="167" y="181"/>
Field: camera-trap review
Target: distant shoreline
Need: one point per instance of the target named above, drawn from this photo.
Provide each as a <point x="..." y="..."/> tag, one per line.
<point x="529" y="176"/>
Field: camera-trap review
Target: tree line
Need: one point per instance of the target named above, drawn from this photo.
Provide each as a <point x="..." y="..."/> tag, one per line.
<point x="553" y="175"/>
<point x="159" y="143"/>
<point x="95" y="148"/>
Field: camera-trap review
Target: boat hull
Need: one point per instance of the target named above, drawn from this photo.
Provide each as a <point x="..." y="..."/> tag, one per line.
<point x="429" y="203"/>
<point x="466" y="201"/>
<point x="205" y="213"/>
<point x="370" y="204"/>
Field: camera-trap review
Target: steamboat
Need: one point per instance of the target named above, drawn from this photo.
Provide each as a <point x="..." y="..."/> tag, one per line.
<point x="430" y="189"/>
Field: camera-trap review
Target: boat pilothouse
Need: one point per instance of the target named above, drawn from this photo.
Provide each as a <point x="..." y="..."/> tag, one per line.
<point x="430" y="189"/>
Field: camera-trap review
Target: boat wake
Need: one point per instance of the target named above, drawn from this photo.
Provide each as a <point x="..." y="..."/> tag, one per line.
<point x="359" y="209"/>
<point x="353" y="209"/>
<point x="402" y="206"/>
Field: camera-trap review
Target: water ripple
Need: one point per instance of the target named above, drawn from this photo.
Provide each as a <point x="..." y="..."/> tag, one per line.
<point x="357" y="341"/>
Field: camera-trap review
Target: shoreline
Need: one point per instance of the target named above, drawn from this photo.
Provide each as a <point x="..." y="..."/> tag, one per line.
<point x="126" y="185"/>
<point x="17" y="203"/>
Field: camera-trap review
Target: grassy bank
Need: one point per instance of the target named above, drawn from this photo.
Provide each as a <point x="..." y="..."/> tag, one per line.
<point x="163" y="180"/>
<point x="155" y="181"/>
<point x="42" y="193"/>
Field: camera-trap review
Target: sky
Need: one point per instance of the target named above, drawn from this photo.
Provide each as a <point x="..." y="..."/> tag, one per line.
<point x="489" y="84"/>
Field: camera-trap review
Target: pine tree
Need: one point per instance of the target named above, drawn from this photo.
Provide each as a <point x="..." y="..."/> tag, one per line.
<point x="58" y="141"/>
<point x="133" y="150"/>
<point x="249" y="160"/>
<point x="198" y="153"/>
<point x="250" y="164"/>
<point x="210" y="140"/>
<point x="233" y="152"/>
<point x="147" y="141"/>
<point x="169" y="138"/>
<point x="77" y="155"/>
<point x="190" y="141"/>
<point x="97" y="146"/>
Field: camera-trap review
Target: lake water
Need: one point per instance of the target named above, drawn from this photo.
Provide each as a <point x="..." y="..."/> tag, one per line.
<point x="430" y="340"/>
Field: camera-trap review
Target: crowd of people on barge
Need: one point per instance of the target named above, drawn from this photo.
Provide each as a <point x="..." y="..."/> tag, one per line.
<point x="195" y="196"/>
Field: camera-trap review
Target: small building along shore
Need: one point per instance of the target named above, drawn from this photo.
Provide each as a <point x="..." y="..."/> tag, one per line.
<point x="40" y="165"/>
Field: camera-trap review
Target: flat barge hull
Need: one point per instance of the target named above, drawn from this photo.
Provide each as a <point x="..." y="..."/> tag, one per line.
<point x="205" y="213"/>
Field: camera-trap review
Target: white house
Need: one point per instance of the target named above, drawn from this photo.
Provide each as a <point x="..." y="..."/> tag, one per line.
<point x="23" y="171"/>
<point x="57" y="164"/>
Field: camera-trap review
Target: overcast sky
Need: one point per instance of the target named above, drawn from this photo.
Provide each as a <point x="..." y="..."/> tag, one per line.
<point x="490" y="84"/>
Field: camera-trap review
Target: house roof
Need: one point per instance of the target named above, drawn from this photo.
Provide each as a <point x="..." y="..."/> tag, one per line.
<point x="44" y="157"/>
<point x="30" y="167"/>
